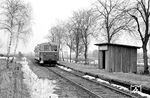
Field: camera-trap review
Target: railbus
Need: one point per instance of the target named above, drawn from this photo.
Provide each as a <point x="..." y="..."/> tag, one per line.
<point x="47" y="53"/>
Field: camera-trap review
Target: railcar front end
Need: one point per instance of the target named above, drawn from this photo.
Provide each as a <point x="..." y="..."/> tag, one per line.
<point x="49" y="57"/>
<point x="47" y="53"/>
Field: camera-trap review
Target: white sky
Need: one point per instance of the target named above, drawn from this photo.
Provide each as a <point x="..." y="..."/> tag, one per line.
<point x="46" y="13"/>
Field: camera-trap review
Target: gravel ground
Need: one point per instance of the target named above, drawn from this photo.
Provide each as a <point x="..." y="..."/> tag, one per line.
<point x="128" y="77"/>
<point x="63" y="88"/>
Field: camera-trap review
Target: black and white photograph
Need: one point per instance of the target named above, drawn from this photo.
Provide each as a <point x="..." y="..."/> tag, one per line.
<point x="74" y="48"/>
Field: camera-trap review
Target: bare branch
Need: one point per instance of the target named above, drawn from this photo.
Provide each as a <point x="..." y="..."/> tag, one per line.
<point x="114" y="20"/>
<point x="136" y="19"/>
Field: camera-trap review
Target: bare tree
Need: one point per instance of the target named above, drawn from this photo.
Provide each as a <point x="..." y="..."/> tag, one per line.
<point x="111" y="20"/>
<point x="69" y="38"/>
<point x="87" y="27"/>
<point x="23" y="24"/>
<point x="16" y="18"/>
<point x="51" y="37"/>
<point x="9" y="11"/>
<point x="77" y="23"/>
<point x="13" y="15"/>
<point x="140" y="12"/>
<point x="56" y="35"/>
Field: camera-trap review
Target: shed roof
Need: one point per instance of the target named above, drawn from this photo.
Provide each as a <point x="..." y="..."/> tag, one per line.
<point x="120" y="45"/>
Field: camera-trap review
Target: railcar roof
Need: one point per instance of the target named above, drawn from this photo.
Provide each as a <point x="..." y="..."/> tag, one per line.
<point x="49" y="43"/>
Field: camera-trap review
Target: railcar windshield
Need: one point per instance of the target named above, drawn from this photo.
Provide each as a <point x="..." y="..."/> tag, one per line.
<point x="54" y="48"/>
<point x="47" y="48"/>
<point x="50" y="47"/>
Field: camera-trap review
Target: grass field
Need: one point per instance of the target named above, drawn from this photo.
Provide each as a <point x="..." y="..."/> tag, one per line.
<point x="92" y="62"/>
<point x="140" y="68"/>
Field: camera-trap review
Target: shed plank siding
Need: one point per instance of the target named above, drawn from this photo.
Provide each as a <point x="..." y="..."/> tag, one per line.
<point x="122" y="59"/>
<point x="111" y="60"/>
<point x="132" y="58"/>
<point x="133" y="61"/>
<point x="118" y="59"/>
<point x="113" y="51"/>
<point x="128" y="60"/>
<point x="114" y="57"/>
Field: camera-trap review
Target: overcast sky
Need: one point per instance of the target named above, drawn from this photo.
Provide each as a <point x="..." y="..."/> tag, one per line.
<point x="46" y="13"/>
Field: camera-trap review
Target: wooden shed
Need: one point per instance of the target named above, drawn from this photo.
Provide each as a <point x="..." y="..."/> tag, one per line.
<point x="117" y="57"/>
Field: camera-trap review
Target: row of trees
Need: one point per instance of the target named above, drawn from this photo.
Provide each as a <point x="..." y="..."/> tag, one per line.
<point x="15" y="21"/>
<point x="107" y="18"/>
<point x="75" y="33"/>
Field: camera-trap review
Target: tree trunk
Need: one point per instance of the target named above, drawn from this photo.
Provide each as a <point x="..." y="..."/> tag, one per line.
<point x="77" y="47"/>
<point x="77" y="53"/>
<point x="70" y="54"/>
<point x="145" y="58"/>
<point x="109" y="40"/>
<point x="107" y="30"/>
<point x="17" y="41"/>
<point x="8" y="51"/>
<point x="15" y="49"/>
<point x="85" y="54"/>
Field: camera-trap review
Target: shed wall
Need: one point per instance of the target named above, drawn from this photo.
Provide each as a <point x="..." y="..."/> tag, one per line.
<point x="121" y="59"/>
<point x="107" y="59"/>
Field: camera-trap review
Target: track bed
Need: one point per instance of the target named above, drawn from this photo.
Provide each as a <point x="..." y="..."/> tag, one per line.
<point x="94" y="89"/>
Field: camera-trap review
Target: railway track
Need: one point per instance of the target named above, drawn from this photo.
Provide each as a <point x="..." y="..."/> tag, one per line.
<point x="97" y="90"/>
<point x="124" y="84"/>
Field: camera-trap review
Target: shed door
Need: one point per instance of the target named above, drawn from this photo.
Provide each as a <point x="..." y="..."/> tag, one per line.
<point x="103" y="59"/>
